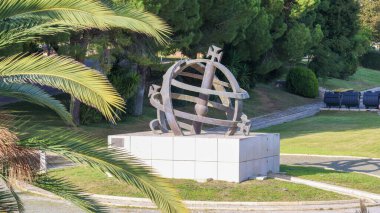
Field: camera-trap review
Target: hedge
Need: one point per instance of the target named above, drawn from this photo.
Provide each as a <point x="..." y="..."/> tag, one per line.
<point x="302" y="81"/>
<point x="371" y="60"/>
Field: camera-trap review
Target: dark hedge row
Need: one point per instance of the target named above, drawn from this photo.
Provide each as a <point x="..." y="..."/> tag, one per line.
<point x="371" y="60"/>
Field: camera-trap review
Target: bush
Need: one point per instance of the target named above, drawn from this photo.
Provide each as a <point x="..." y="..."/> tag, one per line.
<point x="371" y="60"/>
<point x="302" y="81"/>
<point x="89" y="115"/>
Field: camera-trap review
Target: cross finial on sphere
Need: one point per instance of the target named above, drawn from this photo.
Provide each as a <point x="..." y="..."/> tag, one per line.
<point x="215" y="53"/>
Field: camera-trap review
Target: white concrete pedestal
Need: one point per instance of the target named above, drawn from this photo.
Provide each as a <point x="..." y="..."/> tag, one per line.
<point x="200" y="157"/>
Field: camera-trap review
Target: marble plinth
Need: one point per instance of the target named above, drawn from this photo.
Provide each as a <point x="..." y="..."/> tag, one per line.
<point x="201" y="157"/>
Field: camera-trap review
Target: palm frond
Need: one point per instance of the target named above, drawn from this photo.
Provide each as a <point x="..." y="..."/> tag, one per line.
<point x="86" y="14"/>
<point x="68" y="191"/>
<point x="83" y="12"/>
<point x="141" y="22"/>
<point x="22" y="35"/>
<point x="34" y="94"/>
<point x="87" y="85"/>
<point x="85" y="150"/>
<point x="9" y="200"/>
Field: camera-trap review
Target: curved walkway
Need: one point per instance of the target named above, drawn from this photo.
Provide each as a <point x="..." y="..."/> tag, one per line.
<point x="368" y="166"/>
<point x="44" y="201"/>
<point x="280" y="117"/>
<point x="40" y="204"/>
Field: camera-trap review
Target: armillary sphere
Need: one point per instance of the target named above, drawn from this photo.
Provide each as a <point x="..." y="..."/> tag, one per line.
<point x="211" y="92"/>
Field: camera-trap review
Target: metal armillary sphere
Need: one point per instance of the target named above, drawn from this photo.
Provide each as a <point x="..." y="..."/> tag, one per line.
<point x="228" y="93"/>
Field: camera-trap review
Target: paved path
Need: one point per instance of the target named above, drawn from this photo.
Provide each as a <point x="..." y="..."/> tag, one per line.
<point x="288" y="115"/>
<point x="40" y="204"/>
<point x="280" y="117"/>
<point x="347" y="164"/>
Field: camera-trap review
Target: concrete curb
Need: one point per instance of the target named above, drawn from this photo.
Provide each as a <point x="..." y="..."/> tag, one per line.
<point x="374" y="198"/>
<point x="130" y="202"/>
<point x="330" y="156"/>
<point x="236" y="206"/>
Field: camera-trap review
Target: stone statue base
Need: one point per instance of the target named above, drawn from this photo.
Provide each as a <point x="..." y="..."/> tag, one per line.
<point x="207" y="156"/>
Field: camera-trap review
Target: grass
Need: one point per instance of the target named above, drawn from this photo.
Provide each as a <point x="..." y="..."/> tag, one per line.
<point x="363" y="79"/>
<point x="346" y="179"/>
<point x="265" y="99"/>
<point x="332" y="133"/>
<point x="254" y="191"/>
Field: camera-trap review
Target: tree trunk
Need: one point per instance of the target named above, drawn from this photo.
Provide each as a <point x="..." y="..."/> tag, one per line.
<point x="81" y="41"/>
<point x="75" y="110"/>
<point x="139" y="97"/>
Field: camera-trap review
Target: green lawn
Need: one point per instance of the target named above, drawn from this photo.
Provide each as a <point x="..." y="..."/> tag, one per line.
<point x="332" y="133"/>
<point x="268" y="190"/>
<point x="363" y="79"/>
<point x="346" y="179"/>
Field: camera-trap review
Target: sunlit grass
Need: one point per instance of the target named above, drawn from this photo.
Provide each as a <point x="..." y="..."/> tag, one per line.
<point x="346" y="179"/>
<point x="363" y="79"/>
<point x="253" y="190"/>
<point x="332" y="133"/>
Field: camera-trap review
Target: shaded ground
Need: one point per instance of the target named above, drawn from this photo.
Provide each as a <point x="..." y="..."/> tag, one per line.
<point x="347" y="164"/>
<point x="266" y="99"/>
<point x="345" y="179"/>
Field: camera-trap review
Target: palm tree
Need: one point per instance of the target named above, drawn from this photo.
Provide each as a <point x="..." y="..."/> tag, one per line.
<point x="20" y="161"/>
<point x="28" y="20"/>
<point x="22" y="21"/>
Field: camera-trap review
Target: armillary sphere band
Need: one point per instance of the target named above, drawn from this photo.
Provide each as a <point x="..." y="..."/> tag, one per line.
<point x="239" y="95"/>
<point x="155" y="101"/>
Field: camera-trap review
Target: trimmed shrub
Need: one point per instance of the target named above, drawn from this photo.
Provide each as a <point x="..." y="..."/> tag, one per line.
<point x="371" y="60"/>
<point x="302" y="81"/>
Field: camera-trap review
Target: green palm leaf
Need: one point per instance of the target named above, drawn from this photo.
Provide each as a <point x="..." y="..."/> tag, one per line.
<point x="21" y="35"/>
<point x="85" y="14"/>
<point x="9" y="200"/>
<point x="141" y="22"/>
<point x="34" y="94"/>
<point x="69" y="192"/>
<point x="85" y="150"/>
<point x="87" y="85"/>
<point x="60" y="10"/>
